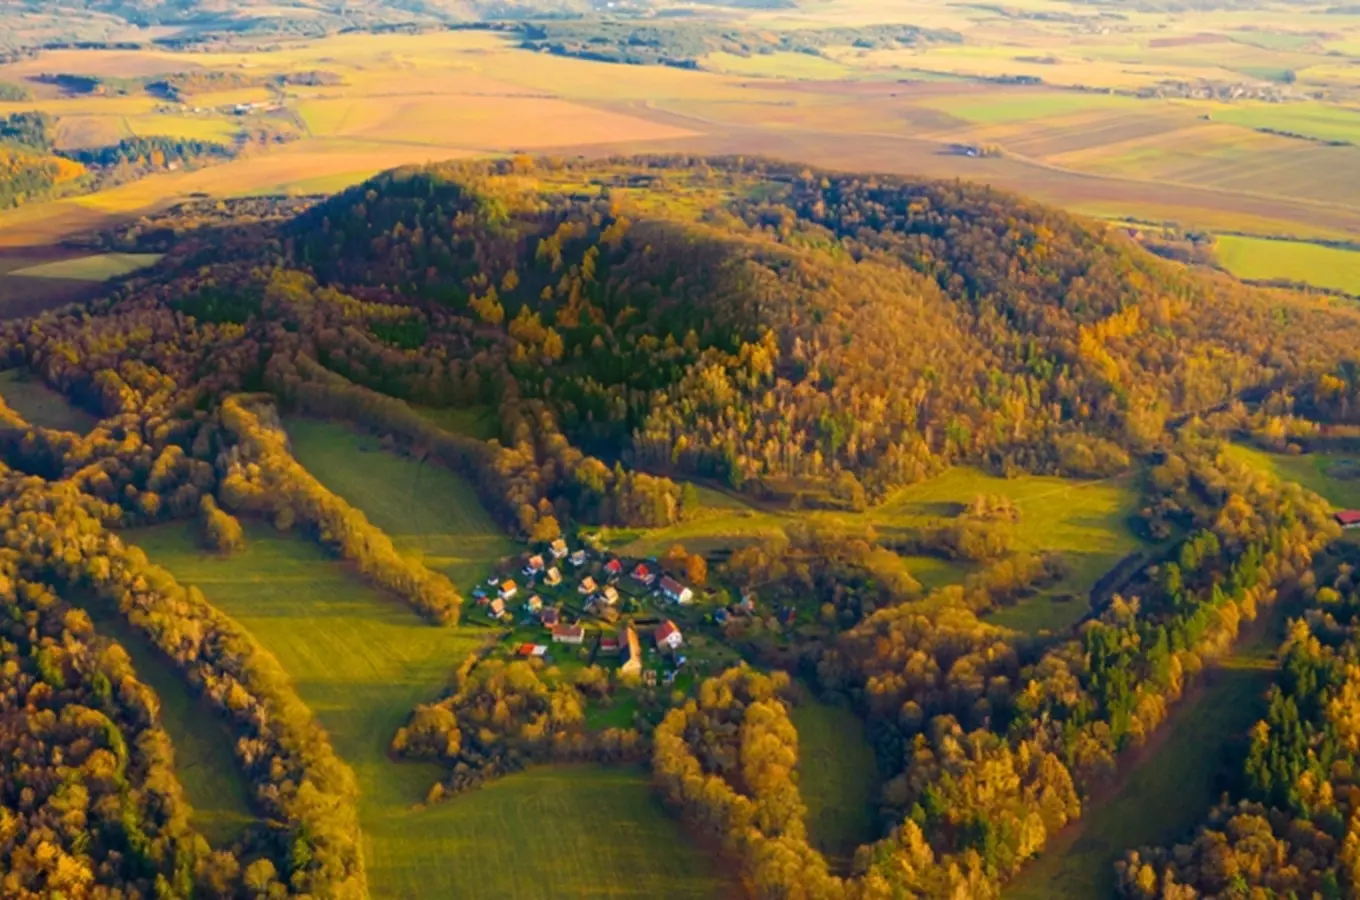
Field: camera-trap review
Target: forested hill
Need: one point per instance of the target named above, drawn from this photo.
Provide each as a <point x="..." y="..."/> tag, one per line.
<point x="769" y="324"/>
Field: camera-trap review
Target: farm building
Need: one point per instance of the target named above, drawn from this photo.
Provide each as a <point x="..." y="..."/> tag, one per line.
<point x="568" y="634"/>
<point x="676" y="592"/>
<point x="631" y="649"/>
<point x="668" y="636"/>
<point x="1348" y="518"/>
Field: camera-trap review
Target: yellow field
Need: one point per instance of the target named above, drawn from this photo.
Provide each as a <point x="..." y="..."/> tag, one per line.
<point x="414" y="98"/>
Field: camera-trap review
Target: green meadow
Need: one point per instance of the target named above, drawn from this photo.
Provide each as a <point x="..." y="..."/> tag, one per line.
<point x="838" y="776"/>
<point x="1167" y="789"/>
<point x="430" y="513"/>
<point x="1087" y="522"/>
<point x="1330" y="476"/>
<point x="1264" y="259"/>
<point x="362" y="661"/>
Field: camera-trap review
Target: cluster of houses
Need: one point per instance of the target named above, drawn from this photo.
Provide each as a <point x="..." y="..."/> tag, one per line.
<point x="559" y="566"/>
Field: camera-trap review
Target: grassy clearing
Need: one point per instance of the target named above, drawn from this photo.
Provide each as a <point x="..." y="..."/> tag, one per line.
<point x="839" y="778"/>
<point x="1325" y="474"/>
<point x="203" y="741"/>
<point x="1263" y="259"/>
<point x="1168" y="792"/>
<point x="430" y="513"/>
<point x="1088" y="522"/>
<point x="42" y="406"/>
<point x="474" y="421"/>
<point x="362" y="661"/>
<point x="91" y="268"/>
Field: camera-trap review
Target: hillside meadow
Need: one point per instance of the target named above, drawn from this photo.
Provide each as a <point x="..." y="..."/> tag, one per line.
<point x="1088" y="523"/>
<point x="361" y="662"/>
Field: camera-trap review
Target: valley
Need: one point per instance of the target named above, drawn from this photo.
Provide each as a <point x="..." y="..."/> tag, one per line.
<point x="842" y="449"/>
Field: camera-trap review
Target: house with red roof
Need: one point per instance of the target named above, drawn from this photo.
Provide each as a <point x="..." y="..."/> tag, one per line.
<point x="668" y="636"/>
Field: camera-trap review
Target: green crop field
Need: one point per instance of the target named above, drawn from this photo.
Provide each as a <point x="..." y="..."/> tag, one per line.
<point x="91" y="268"/>
<point x="42" y="406"/>
<point x="1314" y="120"/>
<point x="1262" y="259"/>
<point x="838" y="776"/>
<point x="362" y="661"/>
<point x="203" y="741"/>
<point x="429" y="512"/>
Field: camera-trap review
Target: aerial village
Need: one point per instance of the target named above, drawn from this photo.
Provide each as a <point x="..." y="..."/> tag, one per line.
<point x="577" y="604"/>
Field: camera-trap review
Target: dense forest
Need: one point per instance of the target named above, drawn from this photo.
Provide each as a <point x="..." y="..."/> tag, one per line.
<point x="814" y="340"/>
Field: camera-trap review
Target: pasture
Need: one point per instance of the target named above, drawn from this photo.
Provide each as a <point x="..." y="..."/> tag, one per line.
<point x="838" y="776"/>
<point x="361" y="661"/>
<point x="430" y="513"/>
<point x="1262" y="259"/>
<point x="39" y="405"/>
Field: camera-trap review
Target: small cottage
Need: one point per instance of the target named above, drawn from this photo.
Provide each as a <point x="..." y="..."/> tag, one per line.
<point x="676" y="592"/>
<point x="668" y="636"/>
<point x="568" y="634"/>
<point x="587" y="586"/>
<point x="559" y="548"/>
